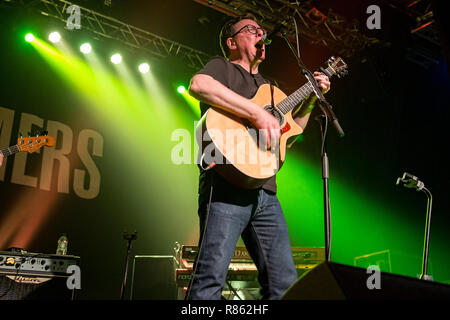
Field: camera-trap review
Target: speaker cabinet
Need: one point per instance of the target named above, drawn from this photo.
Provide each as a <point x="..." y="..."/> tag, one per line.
<point x="153" y="278"/>
<point x="25" y="287"/>
<point x="333" y="281"/>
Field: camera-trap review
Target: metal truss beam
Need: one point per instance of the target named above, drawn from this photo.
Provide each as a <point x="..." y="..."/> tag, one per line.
<point x="425" y="48"/>
<point x="333" y="31"/>
<point x="111" y="28"/>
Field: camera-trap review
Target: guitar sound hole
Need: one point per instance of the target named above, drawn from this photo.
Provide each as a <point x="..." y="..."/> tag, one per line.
<point x="277" y="114"/>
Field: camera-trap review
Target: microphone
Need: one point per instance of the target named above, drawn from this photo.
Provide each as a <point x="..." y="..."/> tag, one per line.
<point x="410" y="181"/>
<point x="267" y="39"/>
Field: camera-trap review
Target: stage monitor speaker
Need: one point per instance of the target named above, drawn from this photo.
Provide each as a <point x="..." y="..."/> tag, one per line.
<point x="333" y="281"/>
<point x="26" y="287"/>
<point x="153" y="278"/>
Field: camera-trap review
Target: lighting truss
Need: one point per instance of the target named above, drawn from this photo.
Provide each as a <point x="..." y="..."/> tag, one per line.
<point x="333" y="31"/>
<point x="425" y="48"/>
<point x="111" y="28"/>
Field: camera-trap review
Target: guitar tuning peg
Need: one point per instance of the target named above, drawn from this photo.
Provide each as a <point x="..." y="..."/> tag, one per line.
<point x="44" y="133"/>
<point x="20" y="134"/>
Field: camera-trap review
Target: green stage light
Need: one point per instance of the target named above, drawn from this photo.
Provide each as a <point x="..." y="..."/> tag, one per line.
<point x="85" y="48"/>
<point x="29" y="37"/>
<point x="116" y="58"/>
<point x="144" y="68"/>
<point x="54" y="37"/>
<point x="181" y="89"/>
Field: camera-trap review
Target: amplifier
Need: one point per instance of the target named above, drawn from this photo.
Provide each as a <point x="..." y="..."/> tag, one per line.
<point x="35" y="264"/>
<point x="35" y="276"/>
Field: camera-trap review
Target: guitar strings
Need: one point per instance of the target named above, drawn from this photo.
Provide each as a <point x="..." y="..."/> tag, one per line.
<point x="300" y="94"/>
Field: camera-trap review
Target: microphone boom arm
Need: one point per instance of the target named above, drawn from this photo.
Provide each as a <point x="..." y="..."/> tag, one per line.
<point x="326" y="107"/>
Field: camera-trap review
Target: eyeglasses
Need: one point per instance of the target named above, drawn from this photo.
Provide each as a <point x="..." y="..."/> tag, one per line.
<point x="251" y="29"/>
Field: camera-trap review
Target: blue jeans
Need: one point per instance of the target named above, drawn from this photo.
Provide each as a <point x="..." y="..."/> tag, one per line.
<point x="256" y="215"/>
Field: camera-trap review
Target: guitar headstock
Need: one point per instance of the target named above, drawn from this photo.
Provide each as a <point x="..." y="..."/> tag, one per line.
<point x="31" y="144"/>
<point x="338" y="66"/>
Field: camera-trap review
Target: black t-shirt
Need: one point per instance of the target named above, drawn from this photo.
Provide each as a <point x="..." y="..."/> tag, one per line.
<point x="236" y="78"/>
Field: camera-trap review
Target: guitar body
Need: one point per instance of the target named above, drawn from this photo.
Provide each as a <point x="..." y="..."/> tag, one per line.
<point x="235" y="148"/>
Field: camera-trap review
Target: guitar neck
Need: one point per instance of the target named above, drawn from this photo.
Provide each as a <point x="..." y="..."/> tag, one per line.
<point x="299" y="95"/>
<point x="10" y="150"/>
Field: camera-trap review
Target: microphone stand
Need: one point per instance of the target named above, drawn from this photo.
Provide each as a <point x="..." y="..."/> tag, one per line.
<point x="411" y="181"/>
<point x="329" y="116"/>
<point x="323" y="122"/>
<point x="326" y="107"/>
<point x="129" y="237"/>
<point x="425" y="275"/>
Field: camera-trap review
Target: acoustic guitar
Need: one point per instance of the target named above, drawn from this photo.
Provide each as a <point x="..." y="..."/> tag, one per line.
<point x="235" y="148"/>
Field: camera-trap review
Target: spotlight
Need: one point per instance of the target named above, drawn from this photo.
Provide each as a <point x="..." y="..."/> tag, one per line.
<point x="85" y="48"/>
<point x="29" y="37"/>
<point x="315" y="16"/>
<point x="54" y="37"/>
<point x="181" y="89"/>
<point x="116" y="58"/>
<point x="144" y="67"/>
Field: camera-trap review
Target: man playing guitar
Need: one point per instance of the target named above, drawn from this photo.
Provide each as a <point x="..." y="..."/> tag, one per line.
<point x="227" y="211"/>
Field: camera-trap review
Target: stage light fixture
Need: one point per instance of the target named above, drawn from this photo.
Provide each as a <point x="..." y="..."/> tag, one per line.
<point x="315" y="16"/>
<point x="181" y="89"/>
<point x="29" y="37"/>
<point x="54" y="37"/>
<point x="85" y="48"/>
<point x="144" y="68"/>
<point x="116" y="58"/>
